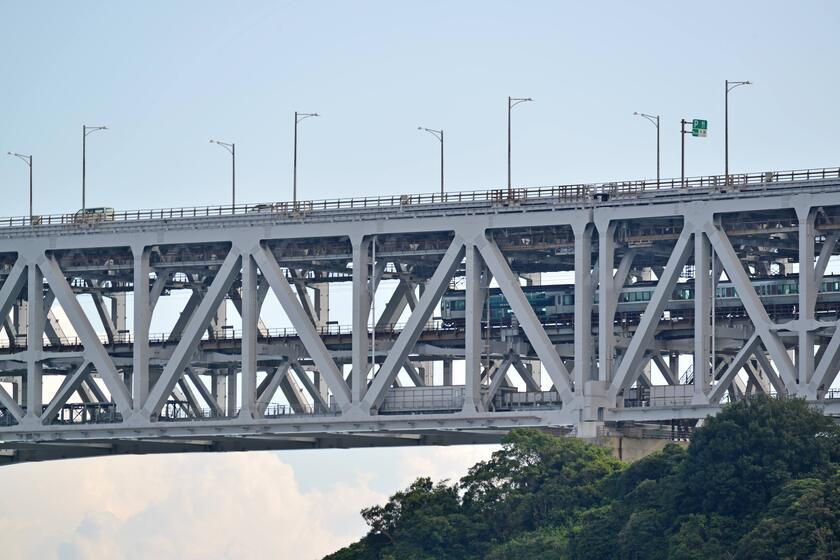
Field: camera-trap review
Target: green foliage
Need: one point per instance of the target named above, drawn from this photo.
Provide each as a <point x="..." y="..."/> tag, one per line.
<point x="803" y="521"/>
<point x="544" y="544"/>
<point x="743" y="456"/>
<point x="760" y="480"/>
<point x="536" y="480"/>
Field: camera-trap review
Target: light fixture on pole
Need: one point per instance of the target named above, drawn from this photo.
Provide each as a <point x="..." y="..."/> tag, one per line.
<point x="729" y="87"/>
<point x="655" y="121"/>
<point x="28" y="161"/>
<point x="230" y="147"/>
<point x="439" y="135"/>
<point x="85" y="131"/>
<point x="512" y="102"/>
<point x="298" y="117"/>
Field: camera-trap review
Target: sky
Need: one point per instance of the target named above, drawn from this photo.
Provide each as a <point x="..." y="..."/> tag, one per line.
<point x="166" y="77"/>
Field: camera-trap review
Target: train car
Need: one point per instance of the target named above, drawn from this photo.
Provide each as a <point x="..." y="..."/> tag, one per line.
<point x="556" y="303"/>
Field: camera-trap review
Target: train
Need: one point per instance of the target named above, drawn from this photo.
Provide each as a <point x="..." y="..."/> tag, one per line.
<point x="556" y="302"/>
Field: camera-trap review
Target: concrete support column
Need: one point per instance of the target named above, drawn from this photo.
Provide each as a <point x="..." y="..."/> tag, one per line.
<point x="472" y="342"/>
<point x="250" y="316"/>
<point x="20" y="318"/>
<point x="142" y="312"/>
<point x="807" y="298"/>
<point x="583" y="308"/>
<point x="321" y="302"/>
<point x="674" y="365"/>
<point x="702" y="316"/>
<point x="34" y="341"/>
<point x="321" y="385"/>
<point x="447" y="371"/>
<point x="231" y="392"/>
<point x="361" y="313"/>
<point x="218" y="389"/>
<point x="606" y="301"/>
<point x="118" y="312"/>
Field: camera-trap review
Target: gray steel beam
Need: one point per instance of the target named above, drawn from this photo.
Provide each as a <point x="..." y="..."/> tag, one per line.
<point x="472" y="337"/>
<point x="361" y="314"/>
<point x="142" y="316"/>
<point x="250" y="317"/>
<point x="584" y="303"/>
<point x="607" y="300"/>
<point x="703" y="300"/>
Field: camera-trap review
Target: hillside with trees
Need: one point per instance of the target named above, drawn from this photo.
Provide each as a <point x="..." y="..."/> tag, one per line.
<point x="760" y="480"/>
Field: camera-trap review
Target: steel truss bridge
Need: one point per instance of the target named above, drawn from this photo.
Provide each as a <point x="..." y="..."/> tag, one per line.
<point x="396" y="375"/>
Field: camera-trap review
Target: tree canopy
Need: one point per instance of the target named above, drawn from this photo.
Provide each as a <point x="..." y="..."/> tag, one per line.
<point x="759" y="480"/>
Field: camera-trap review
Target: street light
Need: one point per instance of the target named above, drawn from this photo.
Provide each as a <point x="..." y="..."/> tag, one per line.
<point x="512" y="102"/>
<point x="85" y="131"/>
<point x="729" y="87"/>
<point x="28" y="161"/>
<point x="655" y="121"/>
<point x="232" y="149"/>
<point x="298" y="117"/>
<point x="439" y="135"/>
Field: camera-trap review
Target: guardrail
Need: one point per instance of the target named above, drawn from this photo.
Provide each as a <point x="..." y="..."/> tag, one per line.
<point x="584" y="192"/>
<point x="20" y="342"/>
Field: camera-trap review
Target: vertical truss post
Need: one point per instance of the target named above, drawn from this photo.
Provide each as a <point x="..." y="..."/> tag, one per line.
<point x="472" y="342"/>
<point x="807" y="297"/>
<point x="35" y="341"/>
<point x="607" y="300"/>
<point x="250" y="317"/>
<point x="142" y="319"/>
<point x="702" y="315"/>
<point x="583" y="306"/>
<point x="361" y="313"/>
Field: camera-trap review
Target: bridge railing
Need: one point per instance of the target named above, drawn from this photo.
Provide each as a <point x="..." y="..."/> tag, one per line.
<point x="583" y="192"/>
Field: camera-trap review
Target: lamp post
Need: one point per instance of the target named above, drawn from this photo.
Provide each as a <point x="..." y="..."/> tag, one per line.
<point x="729" y="87"/>
<point x="86" y="130"/>
<point x="439" y="135"/>
<point x="28" y="161"/>
<point x="232" y="149"/>
<point x="655" y="121"/>
<point x="683" y="132"/>
<point x="512" y="102"/>
<point x="298" y="117"/>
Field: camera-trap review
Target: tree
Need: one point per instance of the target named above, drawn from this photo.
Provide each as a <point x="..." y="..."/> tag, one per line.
<point x="536" y="480"/>
<point x="743" y="456"/>
<point x="803" y="521"/>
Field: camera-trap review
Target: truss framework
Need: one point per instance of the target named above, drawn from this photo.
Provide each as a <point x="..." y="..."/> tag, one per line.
<point x="345" y="385"/>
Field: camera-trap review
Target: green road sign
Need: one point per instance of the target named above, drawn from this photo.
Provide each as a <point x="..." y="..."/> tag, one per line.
<point x="699" y="127"/>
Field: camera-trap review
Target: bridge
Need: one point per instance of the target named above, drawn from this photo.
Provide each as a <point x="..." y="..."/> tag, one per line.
<point x="658" y="302"/>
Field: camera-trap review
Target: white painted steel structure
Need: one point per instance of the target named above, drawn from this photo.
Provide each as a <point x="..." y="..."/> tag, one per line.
<point x="202" y="387"/>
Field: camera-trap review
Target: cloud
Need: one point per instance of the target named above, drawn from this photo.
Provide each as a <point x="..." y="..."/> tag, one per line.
<point x="233" y="505"/>
<point x="442" y="462"/>
<point x="198" y="506"/>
